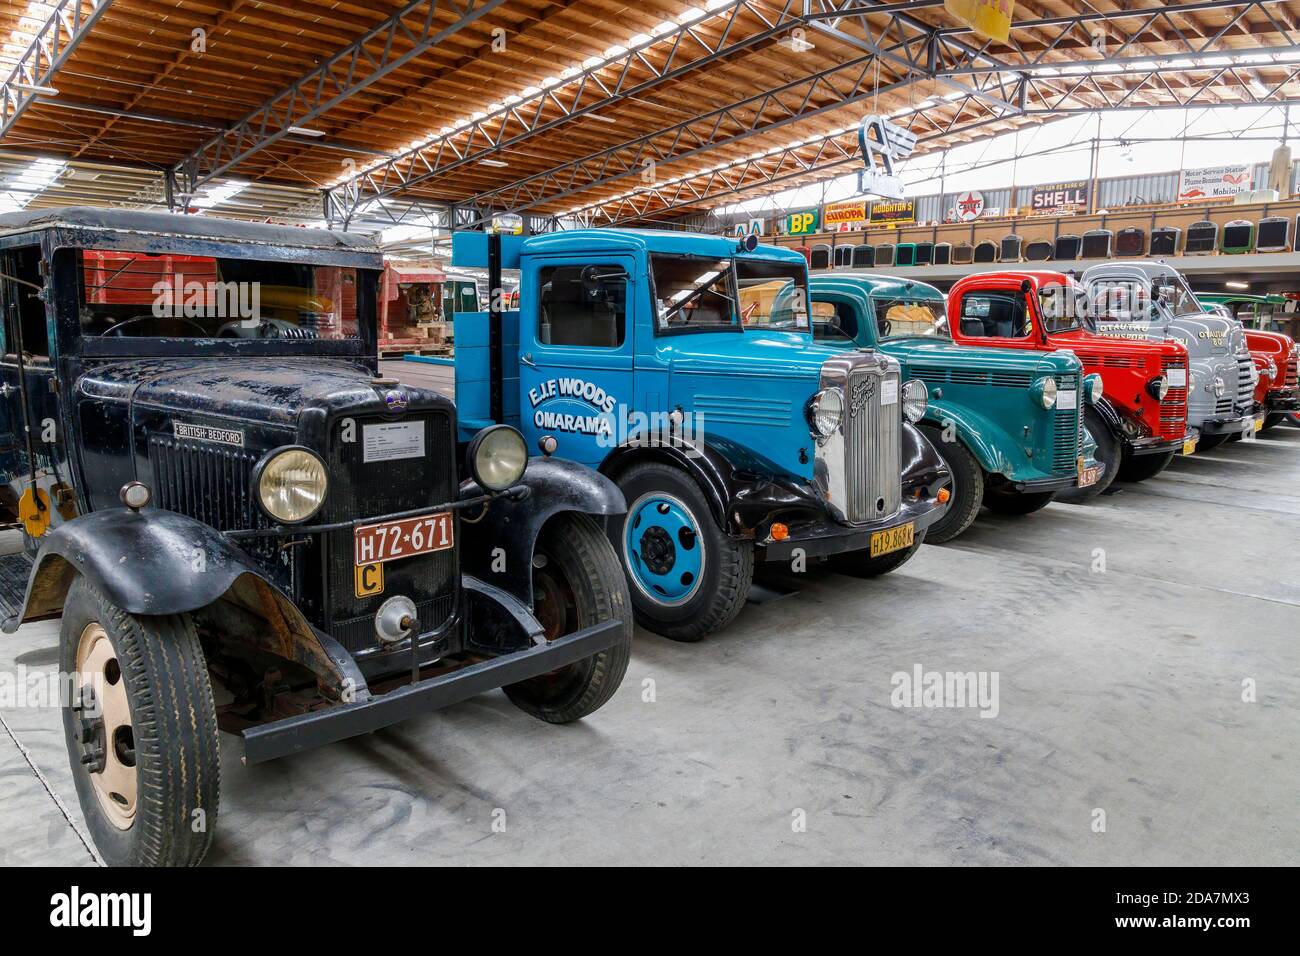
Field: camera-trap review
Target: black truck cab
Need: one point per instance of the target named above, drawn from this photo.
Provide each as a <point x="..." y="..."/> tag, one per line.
<point x="213" y="481"/>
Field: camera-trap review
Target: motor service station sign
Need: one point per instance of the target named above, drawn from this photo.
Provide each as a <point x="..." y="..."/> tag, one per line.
<point x="1058" y="199"/>
<point x="896" y="213"/>
<point x="1213" y="182"/>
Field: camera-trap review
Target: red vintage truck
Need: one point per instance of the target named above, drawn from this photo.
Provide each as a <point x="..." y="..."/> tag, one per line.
<point x="1140" y="423"/>
<point x="1277" y="391"/>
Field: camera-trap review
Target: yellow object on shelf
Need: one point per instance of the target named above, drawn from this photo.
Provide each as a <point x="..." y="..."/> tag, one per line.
<point x="990" y="19"/>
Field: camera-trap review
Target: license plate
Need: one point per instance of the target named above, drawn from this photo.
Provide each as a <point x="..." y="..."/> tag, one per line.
<point x="892" y="539"/>
<point x="394" y="540"/>
<point x="1259" y="423"/>
<point x="1189" y="446"/>
<point x="1089" y="476"/>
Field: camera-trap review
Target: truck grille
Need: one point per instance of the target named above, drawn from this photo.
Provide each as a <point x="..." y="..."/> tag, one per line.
<point x="361" y="490"/>
<point x="1065" y="430"/>
<point x="872" y="447"/>
<point x="1291" y="377"/>
<point x="1245" y="400"/>
<point x="1173" y="410"/>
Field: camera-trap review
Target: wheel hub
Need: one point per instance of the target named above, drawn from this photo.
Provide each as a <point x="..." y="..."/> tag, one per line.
<point x="657" y="550"/>
<point x="662" y="549"/>
<point x="104" y="730"/>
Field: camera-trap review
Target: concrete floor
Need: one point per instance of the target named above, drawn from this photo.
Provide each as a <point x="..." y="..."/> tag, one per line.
<point x="1119" y="691"/>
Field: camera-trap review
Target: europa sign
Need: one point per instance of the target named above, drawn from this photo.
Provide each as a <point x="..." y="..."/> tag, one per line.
<point x="893" y="213"/>
<point x="802" y="223"/>
<point x="840" y="213"/>
<point x="1059" y="198"/>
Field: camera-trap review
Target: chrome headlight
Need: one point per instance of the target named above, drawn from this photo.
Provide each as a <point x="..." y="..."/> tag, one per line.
<point x="1219" y="387"/>
<point x="825" y="412"/>
<point x="916" y="398"/>
<point x="1043" y="391"/>
<point x="1158" y="388"/>
<point x="1270" y="369"/>
<point x="497" y="457"/>
<point x="1093" y="388"/>
<point x="291" y="485"/>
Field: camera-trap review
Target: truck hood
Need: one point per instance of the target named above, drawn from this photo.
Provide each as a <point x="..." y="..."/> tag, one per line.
<point x="753" y="353"/>
<point x="273" y="391"/>
<point x="1204" y="334"/>
<point x="942" y="353"/>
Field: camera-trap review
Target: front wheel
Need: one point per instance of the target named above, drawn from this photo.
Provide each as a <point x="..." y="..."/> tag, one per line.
<point x="860" y="564"/>
<point x="1273" y="420"/>
<point x="1108" y="455"/>
<point x="1008" y="501"/>
<point x="1142" y="467"/>
<point x="577" y="582"/>
<point x="141" y="731"/>
<point x="687" y="577"/>
<point x="967" y="487"/>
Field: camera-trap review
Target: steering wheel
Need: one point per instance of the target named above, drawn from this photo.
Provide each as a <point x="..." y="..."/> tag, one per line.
<point x="113" y="329"/>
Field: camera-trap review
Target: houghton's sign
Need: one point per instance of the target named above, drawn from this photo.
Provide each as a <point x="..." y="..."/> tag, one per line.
<point x="1059" y="198"/>
<point x="893" y="213"/>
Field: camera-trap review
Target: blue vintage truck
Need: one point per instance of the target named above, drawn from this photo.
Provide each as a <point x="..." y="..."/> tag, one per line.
<point x="1008" y="423"/>
<point x="629" y="353"/>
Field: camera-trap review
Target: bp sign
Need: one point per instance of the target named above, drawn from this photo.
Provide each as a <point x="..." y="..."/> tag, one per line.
<point x="802" y="223"/>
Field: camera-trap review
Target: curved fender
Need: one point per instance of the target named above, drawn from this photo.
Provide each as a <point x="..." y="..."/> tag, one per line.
<point x="148" y="563"/>
<point x="1111" y="416"/>
<point x="923" y="466"/>
<point x="156" y="562"/>
<point x="983" y="437"/>
<point x="497" y="542"/>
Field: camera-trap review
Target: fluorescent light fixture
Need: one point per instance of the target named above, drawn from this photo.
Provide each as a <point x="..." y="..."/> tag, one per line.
<point x="603" y="119"/>
<point x="493" y="162"/>
<point x="1237" y="285"/>
<point x="216" y="195"/>
<point x="305" y="131"/>
<point x="33" y="89"/>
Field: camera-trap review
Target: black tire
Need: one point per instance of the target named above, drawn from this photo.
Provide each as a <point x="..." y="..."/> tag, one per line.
<point x="1008" y="501"/>
<point x="580" y="583"/>
<point x="1142" y="467"/>
<point x="858" y="564"/>
<point x="1209" y="442"/>
<point x="727" y="569"/>
<point x="967" y="487"/>
<point x="1108" y="454"/>
<point x="1273" y="420"/>
<point x="174" y="742"/>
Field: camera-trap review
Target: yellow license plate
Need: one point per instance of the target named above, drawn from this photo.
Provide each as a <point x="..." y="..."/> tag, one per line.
<point x="1259" y="423"/>
<point x="892" y="539"/>
<point x="1089" y="476"/>
<point x="1189" y="446"/>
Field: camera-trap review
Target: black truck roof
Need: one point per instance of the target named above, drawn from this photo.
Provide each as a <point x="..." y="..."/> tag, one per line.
<point x="199" y="227"/>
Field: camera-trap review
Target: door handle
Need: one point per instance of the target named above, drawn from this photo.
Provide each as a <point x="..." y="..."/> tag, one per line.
<point x="527" y="359"/>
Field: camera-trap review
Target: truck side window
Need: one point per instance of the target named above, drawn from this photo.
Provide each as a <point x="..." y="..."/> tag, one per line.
<point x="834" y="322"/>
<point x="24" y="265"/>
<point x="582" y="305"/>
<point x="1000" y="315"/>
<point x="693" y="294"/>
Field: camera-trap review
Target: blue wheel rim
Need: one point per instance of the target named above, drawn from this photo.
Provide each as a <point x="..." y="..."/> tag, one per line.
<point x="663" y="549"/>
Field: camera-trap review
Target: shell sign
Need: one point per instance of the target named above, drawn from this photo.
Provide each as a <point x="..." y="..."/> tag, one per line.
<point x="990" y="19"/>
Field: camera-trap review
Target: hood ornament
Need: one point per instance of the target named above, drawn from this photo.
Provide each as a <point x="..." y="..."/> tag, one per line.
<point x="396" y="400"/>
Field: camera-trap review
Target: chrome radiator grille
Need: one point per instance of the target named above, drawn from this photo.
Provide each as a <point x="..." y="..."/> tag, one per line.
<point x="1245" y="387"/>
<point x="1291" y="377"/>
<point x="1065" y="430"/>
<point x="1173" y="410"/>
<point x="872" y="445"/>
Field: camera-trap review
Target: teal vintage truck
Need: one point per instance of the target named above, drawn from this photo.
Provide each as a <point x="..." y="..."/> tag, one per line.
<point x="1007" y="422"/>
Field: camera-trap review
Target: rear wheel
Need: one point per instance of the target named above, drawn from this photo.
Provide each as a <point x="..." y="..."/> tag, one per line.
<point x="687" y="577"/>
<point x="577" y="582"/>
<point x="1273" y="420"/>
<point x="1207" y="442"/>
<point x="1008" y="501"/>
<point x="141" y="731"/>
<point x="860" y="564"/>
<point x="1107" y="454"/>
<point x="967" y="487"/>
<point x="1142" y="467"/>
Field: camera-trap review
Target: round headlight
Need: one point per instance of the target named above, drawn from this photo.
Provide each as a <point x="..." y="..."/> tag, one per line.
<point x="1270" y="369"/>
<point x="498" y="457"/>
<point x="1158" y="388"/>
<point x="1043" y="391"/>
<point x="291" y="485"/>
<point x="825" y="412"/>
<point x="1095" y="388"/>
<point x="916" y="398"/>
<point x="1219" y="387"/>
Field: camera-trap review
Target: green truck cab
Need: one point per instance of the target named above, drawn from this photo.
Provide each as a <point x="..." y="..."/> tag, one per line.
<point x="1008" y="423"/>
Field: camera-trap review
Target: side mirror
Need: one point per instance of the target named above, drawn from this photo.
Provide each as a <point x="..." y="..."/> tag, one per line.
<point x="1026" y="286"/>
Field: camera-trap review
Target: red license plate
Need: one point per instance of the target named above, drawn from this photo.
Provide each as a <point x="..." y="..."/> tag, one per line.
<point x="394" y="540"/>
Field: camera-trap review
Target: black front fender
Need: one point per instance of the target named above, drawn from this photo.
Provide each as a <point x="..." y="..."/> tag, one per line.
<point x="498" y="540"/>
<point x="148" y="563"/>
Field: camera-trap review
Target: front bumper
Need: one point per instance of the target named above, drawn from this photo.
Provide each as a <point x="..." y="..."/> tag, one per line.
<point x="1154" y="445"/>
<point x="1282" y="400"/>
<point x="305" y="731"/>
<point x="1227" y="426"/>
<point x="829" y="537"/>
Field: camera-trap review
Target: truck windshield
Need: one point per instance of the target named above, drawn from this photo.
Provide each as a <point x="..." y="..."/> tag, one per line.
<point x="911" y="318"/>
<point x="773" y="295"/>
<point x="1120" y="304"/>
<point x="693" y="293"/>
<point x="177" y="296"/>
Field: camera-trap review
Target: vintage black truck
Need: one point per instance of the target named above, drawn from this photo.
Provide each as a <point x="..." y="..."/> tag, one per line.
<point x="215" y="487"/>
